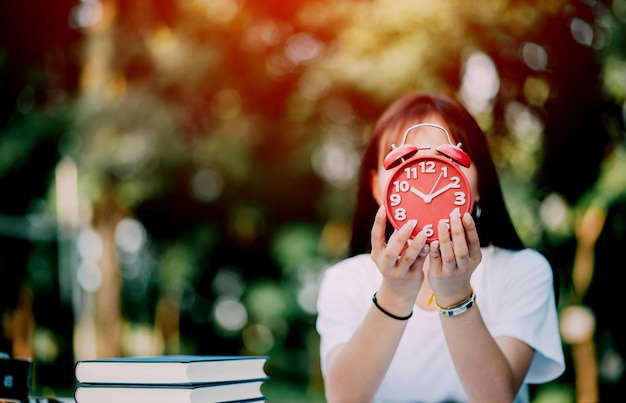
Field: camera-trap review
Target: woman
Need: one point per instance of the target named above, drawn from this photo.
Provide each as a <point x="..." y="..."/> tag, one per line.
<point x="385" y="333"/>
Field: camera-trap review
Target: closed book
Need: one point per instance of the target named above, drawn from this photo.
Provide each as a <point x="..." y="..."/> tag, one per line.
<point x="206" y="393"/>
<point x="15" y="378"/>
<point x="170" y="369"/>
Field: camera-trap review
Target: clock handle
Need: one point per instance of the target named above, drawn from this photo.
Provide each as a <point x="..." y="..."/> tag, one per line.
<point x="406" y="133"/>
<point x="405" y="151"/>
<point x="454" y="152"/>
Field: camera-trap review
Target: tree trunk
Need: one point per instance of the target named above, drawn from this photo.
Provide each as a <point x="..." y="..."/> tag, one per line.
<point x="108" y="313"/>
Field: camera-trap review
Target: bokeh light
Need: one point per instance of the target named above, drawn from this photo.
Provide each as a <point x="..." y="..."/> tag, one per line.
<point x="480" y="82"/>
<point x="258" y="339"/>
<point x="581" y="31"/>
<point x="303" y="48"/>
<point x="555" y="215"/>
<point x="226" y="104"/>
<point x="89" y="276"/>
<point x="228" y="282"/>
<point x="89" y="245"/>
<point x="535" y="56"/>
<point x="337" y="161"/>
<point x="86" y="15"/>
<point x="197" y="119"/>
<point x="207" y="185"/>
<point x="130" y="235"/>
<point x="230" y="314"/>
<point x="261" y="35"/>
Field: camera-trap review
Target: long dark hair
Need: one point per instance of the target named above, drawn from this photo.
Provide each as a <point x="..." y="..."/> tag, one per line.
<point x="493" y="222"/>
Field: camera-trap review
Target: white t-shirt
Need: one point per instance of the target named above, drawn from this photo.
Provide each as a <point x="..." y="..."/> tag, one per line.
<point x="514" y="291"/>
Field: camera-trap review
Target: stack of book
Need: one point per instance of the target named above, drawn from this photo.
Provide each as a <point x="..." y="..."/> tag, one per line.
<point x="171" y="378"/>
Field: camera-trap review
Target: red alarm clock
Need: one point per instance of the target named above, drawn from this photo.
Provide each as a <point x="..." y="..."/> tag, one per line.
<point x="427" y="187"/>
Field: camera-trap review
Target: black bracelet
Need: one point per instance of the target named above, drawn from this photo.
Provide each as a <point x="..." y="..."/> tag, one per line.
<point x="383" y="310"/>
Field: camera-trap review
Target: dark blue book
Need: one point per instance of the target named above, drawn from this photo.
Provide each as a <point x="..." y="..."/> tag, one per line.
<point x="15" y="378"/>
<point x="170" y="369"/>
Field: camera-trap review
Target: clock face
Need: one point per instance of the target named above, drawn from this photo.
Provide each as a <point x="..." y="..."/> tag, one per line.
<point x="427" y="189"/>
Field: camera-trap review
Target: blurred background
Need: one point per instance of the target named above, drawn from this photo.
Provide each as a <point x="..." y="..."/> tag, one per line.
<point x="177" y="174"/>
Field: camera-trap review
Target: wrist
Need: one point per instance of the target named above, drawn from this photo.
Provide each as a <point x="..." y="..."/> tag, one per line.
<point x="399" y="304"/>
<point x="457" y="308"/>
<point x="444" y="299"/>
<point x="388" y="313"/>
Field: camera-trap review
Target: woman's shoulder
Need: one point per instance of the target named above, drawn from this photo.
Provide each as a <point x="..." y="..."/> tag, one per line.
<point x="526" y="262"/>
<point x="526" y="257"/>
<point x="354" y="268"/>
<point x="363" y="261"/>
<point x="522" y="275"/>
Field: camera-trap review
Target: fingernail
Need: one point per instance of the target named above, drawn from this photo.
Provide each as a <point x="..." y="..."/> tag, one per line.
<point x="419" y="237"/>
<point x="467" y="218"/>
<point x="409" y="225"/>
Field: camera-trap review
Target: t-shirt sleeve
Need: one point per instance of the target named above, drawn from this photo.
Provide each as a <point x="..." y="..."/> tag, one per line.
<point x="524" y="307"/>
<point x="341" y="306"/>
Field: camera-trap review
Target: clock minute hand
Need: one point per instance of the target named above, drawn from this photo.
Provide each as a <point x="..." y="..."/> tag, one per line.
<point x="443" y="189"/>
<point x="435" y="185"/>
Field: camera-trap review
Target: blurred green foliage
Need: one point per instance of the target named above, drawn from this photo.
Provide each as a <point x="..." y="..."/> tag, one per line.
<point x="228" y="133"/>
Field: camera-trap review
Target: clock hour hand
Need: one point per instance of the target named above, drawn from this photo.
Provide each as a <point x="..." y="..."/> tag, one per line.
<point x="424" y="197"/>
<point x="443" y="189"/>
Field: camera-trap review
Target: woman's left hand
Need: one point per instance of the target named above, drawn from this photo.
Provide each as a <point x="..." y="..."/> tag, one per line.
<point x="453" y="259"/>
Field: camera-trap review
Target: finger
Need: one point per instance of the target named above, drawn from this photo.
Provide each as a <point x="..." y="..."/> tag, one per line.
<point x="387" y="254"/>
<point x="459" y="241"/>
<point x="471" y="235"/>
<point x="398" y="241"/>
<point x="434" y="253"/>
<point x="378" y="231"/>
<point x="446" y="245"/>
<point x="416" y="251"/>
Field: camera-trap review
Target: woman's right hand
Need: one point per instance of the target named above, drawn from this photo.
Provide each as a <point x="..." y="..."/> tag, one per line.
<point x="400" y="260"/>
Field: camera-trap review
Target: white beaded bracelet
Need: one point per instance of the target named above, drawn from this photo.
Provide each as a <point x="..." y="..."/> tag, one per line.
<point x="456" y="309"/>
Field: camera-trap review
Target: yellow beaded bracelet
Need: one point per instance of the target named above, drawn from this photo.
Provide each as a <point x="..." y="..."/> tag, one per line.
<point x="455" y="309"/>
